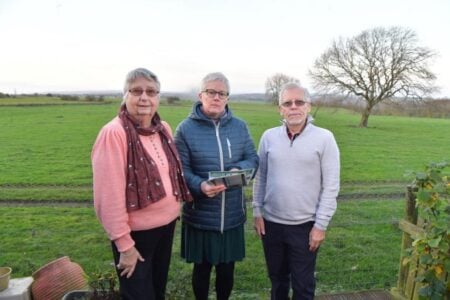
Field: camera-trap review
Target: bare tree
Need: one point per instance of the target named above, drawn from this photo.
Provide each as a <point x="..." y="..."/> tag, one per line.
<point x="376" y="65"/>
<point x="274" y="84"/>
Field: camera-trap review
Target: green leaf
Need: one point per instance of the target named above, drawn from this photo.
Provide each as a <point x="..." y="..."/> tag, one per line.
<point x="443" y="247"/>
<point x="421" y="176"/>
<point x="423" y="195"/>
<point x="447" y="266"/>
<point x="435" y="176"/>
<point x="420" y="278"/>
<point x="425" y="291"/>
<point x="434" y="243"/>
<point x="426" y="259"/>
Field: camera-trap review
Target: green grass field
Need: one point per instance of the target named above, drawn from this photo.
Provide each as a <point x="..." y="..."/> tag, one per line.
<point x="45" y="155"/>
<point x="366" y="250"/>
<point x="48" y="147"/>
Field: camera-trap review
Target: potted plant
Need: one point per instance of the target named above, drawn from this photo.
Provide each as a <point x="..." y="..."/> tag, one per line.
<point x="103" y="286"/>
<point x="5" y="274"/>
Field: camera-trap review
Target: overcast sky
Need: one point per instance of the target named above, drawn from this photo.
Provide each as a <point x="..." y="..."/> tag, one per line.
<point x="79" y="45"/>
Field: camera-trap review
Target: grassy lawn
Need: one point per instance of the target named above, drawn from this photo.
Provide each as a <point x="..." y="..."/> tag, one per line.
<point x="45" y="155"/>
<point x="50" y="146"/>
<point x="33" y="236"/>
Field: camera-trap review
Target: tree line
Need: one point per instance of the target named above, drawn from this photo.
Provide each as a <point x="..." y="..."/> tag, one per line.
<point x="375" y="66"/>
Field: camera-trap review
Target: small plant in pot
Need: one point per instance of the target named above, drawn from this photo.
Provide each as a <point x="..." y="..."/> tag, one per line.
<point x="103" y="286"/>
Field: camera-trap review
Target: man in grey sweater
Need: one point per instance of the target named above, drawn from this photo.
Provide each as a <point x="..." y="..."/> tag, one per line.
<point x="294" y="194"/>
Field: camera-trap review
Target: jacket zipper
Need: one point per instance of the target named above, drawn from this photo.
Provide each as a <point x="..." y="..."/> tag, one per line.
<point x="222" y="211"/>
<point x="229" y="149"/>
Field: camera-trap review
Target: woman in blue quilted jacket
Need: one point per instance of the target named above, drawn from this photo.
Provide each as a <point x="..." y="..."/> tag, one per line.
<point x="212" y="139"/>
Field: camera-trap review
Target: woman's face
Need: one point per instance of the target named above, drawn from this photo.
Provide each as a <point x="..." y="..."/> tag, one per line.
<point x="214" y="98"/>
<point x="142" y="98"/>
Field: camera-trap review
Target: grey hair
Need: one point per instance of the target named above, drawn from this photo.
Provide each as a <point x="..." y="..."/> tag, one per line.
<point x="133" y="75"/>
<point x="293" y="86"/>
<point x="216" y="76"/>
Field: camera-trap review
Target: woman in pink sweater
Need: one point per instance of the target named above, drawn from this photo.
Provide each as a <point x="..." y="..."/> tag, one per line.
<point x="138" y="186"/>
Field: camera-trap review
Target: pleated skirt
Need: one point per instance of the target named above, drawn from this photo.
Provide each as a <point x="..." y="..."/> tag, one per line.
<point x="199" y="245"/>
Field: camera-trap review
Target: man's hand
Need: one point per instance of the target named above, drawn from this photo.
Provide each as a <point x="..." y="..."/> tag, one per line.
<point x="259" y="226"/>
<point x="316" y="237"/>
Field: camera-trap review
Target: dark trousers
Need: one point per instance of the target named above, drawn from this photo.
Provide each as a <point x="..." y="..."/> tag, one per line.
<point x="149" y="279"/>
<point x="224" y="280"/>
<point x="289" y="261"/>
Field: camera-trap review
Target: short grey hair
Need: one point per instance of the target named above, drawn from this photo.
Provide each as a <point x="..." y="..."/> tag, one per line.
<point x="216" y="76"/>
<point x="293" y="86"/>
<point x="133" y="75"/>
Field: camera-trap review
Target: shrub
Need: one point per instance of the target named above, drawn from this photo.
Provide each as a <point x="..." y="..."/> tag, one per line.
<point x="173" y="100"/>
<point x="69" y="97"/>
<point x="432" y="247"/>
<point x="90" y="98"/>
<point x="104" y="286"/>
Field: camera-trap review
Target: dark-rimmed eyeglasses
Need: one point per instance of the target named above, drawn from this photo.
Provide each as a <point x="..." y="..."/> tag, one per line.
<point x="212" y="93"/>
<point x="138" y="92"/>
<point x="298" y="103"/>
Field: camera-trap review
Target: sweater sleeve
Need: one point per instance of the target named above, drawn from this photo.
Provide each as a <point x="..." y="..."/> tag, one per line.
<point x="330" y="169"/>
<point x="109" y="179"/>
<point x="259" y="184"/>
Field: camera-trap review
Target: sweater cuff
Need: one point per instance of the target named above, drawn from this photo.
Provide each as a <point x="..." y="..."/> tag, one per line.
<point x="321" y="224"/>
<point x="257" y="212"/>
<point x="124" y="243"/>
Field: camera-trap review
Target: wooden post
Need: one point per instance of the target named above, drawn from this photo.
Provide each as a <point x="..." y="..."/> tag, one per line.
<point x="411" y="215"/>
<point x="412" y="227"/>
<point x="411" y="209"/>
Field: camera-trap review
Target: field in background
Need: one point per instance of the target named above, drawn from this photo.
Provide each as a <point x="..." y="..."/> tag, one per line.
<point x="44" y="156"/>
<point x="50" y="145"/>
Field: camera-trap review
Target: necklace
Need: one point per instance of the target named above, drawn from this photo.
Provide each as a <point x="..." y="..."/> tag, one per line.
<point x="156" y="148"/>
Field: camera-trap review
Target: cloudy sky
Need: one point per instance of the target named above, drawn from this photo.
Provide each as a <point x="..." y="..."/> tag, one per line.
<point x="79" y="45"/>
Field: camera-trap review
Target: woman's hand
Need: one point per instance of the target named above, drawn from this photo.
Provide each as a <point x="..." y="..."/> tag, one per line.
<point x="128" y="260"/>
<point x="211" y="190"/>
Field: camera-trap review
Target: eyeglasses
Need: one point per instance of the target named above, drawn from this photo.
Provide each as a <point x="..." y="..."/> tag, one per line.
<point x="212" y="93"/>
<point x="138" y="92"/>
<point x="298" y="103"/>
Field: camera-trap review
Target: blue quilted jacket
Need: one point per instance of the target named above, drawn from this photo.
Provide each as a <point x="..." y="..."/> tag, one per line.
<point x="205" y="146"/>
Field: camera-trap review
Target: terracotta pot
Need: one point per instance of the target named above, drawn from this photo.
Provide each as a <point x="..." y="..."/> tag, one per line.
<point x="56" y="278"/>
<point x="5" y="273"/>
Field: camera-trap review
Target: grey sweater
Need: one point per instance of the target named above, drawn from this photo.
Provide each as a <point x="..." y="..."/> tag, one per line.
<point x="297" y="181"/>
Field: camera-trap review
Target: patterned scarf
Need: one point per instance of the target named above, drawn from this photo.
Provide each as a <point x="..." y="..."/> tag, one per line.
<point x="144" y="184"/>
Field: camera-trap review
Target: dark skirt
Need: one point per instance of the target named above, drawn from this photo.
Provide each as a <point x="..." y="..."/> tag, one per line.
<point x="200" y="246"/>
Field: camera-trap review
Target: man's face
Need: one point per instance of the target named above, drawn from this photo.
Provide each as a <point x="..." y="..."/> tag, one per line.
<point x="293" y="107"/>
<point x="214" y="98"/>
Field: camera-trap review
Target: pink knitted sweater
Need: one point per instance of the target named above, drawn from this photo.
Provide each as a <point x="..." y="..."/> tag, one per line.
<point x="109" y="163"/>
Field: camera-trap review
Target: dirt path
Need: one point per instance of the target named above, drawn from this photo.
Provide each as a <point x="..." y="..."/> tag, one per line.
<point x="81" y="203"/>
